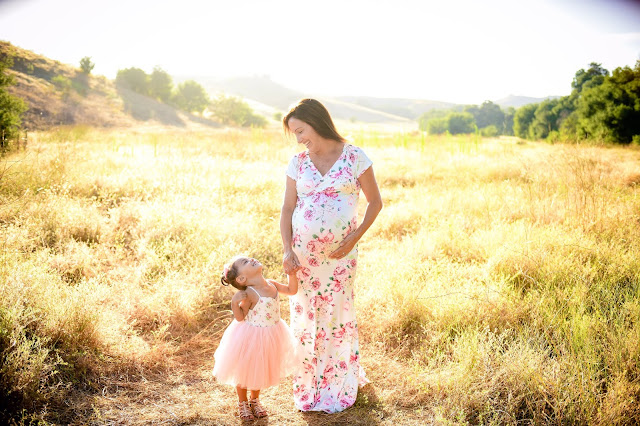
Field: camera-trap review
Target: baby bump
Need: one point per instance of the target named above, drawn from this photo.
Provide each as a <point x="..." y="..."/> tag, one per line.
<point x="320" y="234"/>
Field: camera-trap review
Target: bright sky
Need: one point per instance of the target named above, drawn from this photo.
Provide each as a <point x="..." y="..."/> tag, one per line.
<point x="463" y="51"/>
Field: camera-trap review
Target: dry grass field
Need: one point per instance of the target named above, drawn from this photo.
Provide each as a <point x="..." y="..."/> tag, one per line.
<point x="499" y="285"/>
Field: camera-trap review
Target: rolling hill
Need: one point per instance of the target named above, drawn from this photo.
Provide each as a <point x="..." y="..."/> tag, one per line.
<point x="58" y="93"/>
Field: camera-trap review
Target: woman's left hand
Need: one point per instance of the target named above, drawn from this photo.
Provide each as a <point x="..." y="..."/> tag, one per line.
<point x="345" y="246"/>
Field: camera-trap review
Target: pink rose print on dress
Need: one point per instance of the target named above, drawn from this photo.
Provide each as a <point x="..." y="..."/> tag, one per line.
<point x="308" y="215"/>
<point x="314" y="246"/>
<point x="337" y="286"/>
<point x="305" y="272"/>
<point x="298" y="309"/>
<point x="315" y="284"/>
<point x="340" y="273"/>
<point x="323" y="196"/>
<point x="313" y="261"/>
<point x="342" y="366"/>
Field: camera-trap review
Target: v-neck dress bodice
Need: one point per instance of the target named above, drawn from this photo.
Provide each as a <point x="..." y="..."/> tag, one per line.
<point x="322" y="313"/>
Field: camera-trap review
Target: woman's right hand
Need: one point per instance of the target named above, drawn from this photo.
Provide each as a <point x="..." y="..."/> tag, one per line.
<point x="290" y="262"/>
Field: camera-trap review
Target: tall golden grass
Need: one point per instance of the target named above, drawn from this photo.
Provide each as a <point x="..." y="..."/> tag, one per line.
<point x="499" y="285"/>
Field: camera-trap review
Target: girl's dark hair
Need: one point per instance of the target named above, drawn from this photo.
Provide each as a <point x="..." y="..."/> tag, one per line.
<point x="230" y="273"/>
<point x="315" y="115"/>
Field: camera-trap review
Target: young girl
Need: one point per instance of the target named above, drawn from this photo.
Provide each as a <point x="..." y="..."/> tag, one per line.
<point x="256" y="350"/>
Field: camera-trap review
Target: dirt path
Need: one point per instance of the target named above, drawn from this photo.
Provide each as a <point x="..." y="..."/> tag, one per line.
<point x="187" y="395"/>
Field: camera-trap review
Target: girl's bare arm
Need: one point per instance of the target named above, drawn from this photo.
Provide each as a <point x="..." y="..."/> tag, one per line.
<point x="291" y="288"/>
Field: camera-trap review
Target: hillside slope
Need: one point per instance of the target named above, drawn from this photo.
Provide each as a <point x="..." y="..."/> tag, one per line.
<point x="261" y="90"/>
<point x="60" y="94"/>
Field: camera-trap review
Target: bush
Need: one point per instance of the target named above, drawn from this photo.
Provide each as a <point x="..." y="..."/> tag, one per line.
<point x="86" y="65"/>
<point x="437" y="126"/>
<point x="235" y="111"/>
<point x="489" y="131"/>
<point x="460" y="122"/>
<point x="133" y="79"/>
<point x="191" y="97"/>
<point x="62" y="83"/>
<point x="11" y="108"/>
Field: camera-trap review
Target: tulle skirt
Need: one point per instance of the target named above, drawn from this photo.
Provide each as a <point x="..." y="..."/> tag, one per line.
<point x="255" y="357"/>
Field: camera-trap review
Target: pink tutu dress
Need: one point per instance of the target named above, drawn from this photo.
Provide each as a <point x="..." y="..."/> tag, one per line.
<point x="257" y="352"/>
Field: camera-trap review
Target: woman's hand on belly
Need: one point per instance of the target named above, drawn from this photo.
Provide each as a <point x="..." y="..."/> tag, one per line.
<point x="345" y="247"/>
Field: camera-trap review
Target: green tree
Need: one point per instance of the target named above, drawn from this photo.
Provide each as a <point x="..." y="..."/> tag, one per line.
<point x="437" y="126"/>
<point x="11" y="107"/>
<point x="461" y="122"/>
<point x="160" y="84"/>
<point x="235" y="111"/>
<point x="522" y="120"/>
<point x="545" y="119"/>
<point x="191" y="96"/>
<point x="133" y="79"/>
<point x="423" y="120"/>
<point x="488" y="114"/>
<point x="594" y="76"/>
<point x="611" y="111"/>
<point x="508" y="121"/>
<point x="86" y="65"/>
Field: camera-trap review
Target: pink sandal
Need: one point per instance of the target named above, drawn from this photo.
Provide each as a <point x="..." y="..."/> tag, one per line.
<point x="258" y="409"/>
<point x="244" y="411"/>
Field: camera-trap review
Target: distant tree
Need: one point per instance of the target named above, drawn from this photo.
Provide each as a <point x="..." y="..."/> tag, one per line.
<point x="426" y="116"/>
<point x="133" y="79"/>
<point x="461" y="122"/>
<point x="545" y="119"/>
<point x="611" y="111"/>
<point x="277" y="116"/>
<point x="86" y="65"/>
<point x="522" y="120"/>
<point x="489" y="131"/>
<point x="160" y="85"/>
<point x="566" y="118"/>
<point x="594" y="76"/>
<point x="235" y="111"/>
<point x="11" y="107"/>
<point x="488" y="114"/>
<point x="437" y="126"/>
<point x="508" y="121"/>
<point x="191" y="96"/>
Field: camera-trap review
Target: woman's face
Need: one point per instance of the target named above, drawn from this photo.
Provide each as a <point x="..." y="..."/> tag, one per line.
<point x="304" y="133"/>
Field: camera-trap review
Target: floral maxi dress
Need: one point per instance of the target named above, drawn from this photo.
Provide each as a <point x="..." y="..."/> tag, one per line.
<point x="323" y="318"/>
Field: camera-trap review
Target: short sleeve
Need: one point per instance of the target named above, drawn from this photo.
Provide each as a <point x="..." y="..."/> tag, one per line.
<point x="292" y="168"/>
<point x="362" y="162"/>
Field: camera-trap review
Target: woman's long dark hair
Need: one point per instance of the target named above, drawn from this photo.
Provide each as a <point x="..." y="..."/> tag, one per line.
<point x="315" y="115"/>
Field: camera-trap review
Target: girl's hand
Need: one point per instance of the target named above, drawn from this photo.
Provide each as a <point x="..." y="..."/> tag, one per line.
<point x="345" y="246"/>
<point x="239" y="297"/>
<point x="290" y="263"/>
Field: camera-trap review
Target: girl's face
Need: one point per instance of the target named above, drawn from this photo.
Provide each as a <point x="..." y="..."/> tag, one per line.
<point x="305" y="134"/>
<point x="247" y="267"/>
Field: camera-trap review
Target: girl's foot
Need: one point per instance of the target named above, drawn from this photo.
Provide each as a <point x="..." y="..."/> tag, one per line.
<point x="258" y="409"/>
<point x="244" y="411"/>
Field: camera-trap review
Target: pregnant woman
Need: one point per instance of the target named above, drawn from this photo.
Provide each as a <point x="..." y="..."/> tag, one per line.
<point x="320" y="232"/>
